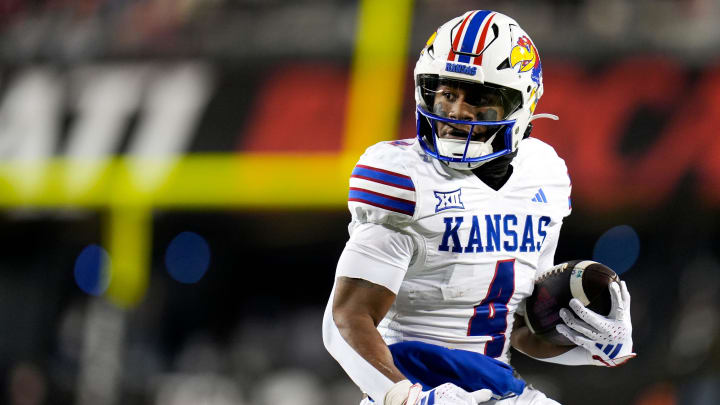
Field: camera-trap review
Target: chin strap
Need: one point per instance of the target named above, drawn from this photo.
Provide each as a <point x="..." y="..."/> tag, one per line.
<point x="533" y="118"/>
<point x="456" y="148"/>
<point x="544" y="115"/>
<point x="487" y="145"/>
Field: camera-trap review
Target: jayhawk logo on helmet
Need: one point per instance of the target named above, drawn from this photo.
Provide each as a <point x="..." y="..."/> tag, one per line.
<point x="525" y="54"/>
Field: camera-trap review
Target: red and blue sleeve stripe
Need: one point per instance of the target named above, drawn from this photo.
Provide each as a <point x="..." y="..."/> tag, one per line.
<point x="382" y="201"/>
<point x="383" y="176"/>
<point x="383" y="189"/>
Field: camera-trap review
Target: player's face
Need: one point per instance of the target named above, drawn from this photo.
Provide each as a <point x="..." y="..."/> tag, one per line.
<point x="459" y="103"/>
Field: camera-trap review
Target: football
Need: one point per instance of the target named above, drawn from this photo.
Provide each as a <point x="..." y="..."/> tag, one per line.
<point x="585" y="280"/>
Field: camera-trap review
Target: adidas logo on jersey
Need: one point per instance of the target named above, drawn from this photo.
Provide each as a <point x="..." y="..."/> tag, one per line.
<point x="539" y="197"/>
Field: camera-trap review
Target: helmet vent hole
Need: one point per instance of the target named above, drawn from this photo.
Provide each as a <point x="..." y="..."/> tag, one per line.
<point x="431" y="50"/>
<point x="504" y="64"/>
<point x="528" y="89"/>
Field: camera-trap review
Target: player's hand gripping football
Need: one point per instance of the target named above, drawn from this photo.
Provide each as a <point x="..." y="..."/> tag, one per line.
<point x="608" y="339"/>
<point x="405" y="393"/>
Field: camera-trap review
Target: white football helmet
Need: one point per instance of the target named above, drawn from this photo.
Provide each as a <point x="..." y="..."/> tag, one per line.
<point x="477" y="83"/>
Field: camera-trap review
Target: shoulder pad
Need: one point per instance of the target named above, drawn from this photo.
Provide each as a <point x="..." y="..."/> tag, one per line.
<point x="381" y="188"/>
<point x="536" y="154"/>
<point x="540" y="162"/>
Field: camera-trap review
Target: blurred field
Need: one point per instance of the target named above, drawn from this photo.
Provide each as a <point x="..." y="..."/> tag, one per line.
<point x="173" y="179"/>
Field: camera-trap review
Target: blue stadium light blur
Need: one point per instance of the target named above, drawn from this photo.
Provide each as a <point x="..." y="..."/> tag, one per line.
<point x="187" y="257"/>
<point x="618" y="248"/>
<point x="92" y="270"/>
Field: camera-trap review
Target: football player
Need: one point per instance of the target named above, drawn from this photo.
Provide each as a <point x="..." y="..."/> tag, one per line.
<point x="450" y="229"/>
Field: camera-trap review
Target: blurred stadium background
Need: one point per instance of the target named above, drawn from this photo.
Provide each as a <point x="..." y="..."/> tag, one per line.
<point x="173" y="177"/>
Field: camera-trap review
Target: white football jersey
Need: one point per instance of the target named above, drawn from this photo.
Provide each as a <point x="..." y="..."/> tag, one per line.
<point x="475" y="251"/>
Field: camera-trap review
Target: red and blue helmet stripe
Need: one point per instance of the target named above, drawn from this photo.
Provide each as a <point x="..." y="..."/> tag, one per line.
<point x="472" y="33"/>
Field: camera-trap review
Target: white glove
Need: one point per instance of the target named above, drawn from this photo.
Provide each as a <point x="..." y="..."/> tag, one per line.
<point x="608" y="339"/>
<point x="405" y="393"/>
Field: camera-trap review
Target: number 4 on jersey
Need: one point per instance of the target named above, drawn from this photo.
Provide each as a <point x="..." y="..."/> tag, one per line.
<point x="490" y="318"/>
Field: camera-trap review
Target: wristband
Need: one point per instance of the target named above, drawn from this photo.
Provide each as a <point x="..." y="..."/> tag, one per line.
<point x="578" y="356"/>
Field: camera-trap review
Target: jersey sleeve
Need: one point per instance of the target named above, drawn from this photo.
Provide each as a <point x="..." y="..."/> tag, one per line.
<point x="558" y="184"/>
<point x="377" y="254"/>
<point x="543" y="167"/>
<point x="565" y="205"/>
<point x="382" y="190"/>
<point x="561" y="210"/>
<point x="547" y="171"/>
<point x="547" y="252"/>
<point x="377" y="251"/>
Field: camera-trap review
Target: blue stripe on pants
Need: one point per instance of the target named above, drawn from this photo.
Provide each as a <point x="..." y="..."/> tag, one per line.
<point x="432" y="365"/>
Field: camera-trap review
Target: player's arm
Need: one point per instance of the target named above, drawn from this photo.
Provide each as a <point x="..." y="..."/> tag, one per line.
<point x="523" y="340"/>
<point x="368" y="276"/>
<point x="599" y="340"/>
<point x="369" y="273"/>
<point x="357" y="309"/>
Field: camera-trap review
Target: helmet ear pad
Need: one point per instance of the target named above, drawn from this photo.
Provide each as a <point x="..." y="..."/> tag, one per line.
<point x="503" y="137"/>
<point x="424" y="129"/>
<point x="528" y="130"/>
